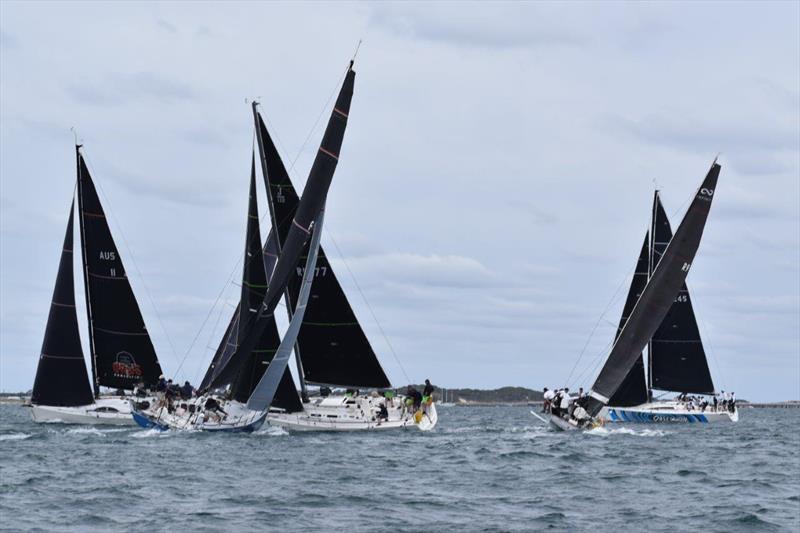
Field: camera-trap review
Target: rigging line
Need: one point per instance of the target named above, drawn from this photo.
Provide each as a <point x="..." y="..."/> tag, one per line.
<point x="319" y="117"/>
<point x="599" y="319"/>
<point x="208" y="344"/>
<point x="374" y="317"/>
<point x="590" y="370"/>
<point x="133" y="258"/>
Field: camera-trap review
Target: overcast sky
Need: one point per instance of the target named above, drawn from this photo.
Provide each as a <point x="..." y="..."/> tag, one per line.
<point x="493" y="189"/>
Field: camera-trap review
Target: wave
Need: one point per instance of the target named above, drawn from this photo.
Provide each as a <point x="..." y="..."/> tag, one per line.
<point x="15" y="436"/>
<point x="86" y="431"/>
<point x="627" y="431"/>
<point x="149" y="433"/>
<point x="271" y="431"/>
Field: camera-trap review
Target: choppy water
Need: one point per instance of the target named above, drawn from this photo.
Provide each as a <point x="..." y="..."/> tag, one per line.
<point x="482" y="469"/>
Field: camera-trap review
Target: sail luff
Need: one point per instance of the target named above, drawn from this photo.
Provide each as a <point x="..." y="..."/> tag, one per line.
<point x="657" y="297"/>
<point x="61" y="377"/>
<point x="85" y="270"/>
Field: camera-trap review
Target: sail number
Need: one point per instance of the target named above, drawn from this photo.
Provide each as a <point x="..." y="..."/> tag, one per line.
<point x="686" y="267"/>
<point x="108" y="256"/>
<point x="682" y="298"/>
<point x="318" y="271"/>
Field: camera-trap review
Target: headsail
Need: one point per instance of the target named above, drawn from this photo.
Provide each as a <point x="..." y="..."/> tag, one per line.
<point x="657" y="297"/>
<point x="122" y="352"/>
<point x="676" y="352"/>
<point x="311" y="204"/>
<point x="61" y="377"/>
<point x="333" y="347"/>
<point x="633" y="390"/>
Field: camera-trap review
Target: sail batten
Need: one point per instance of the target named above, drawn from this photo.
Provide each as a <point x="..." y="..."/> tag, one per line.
<point x="122" y="352"/>
<point x="657" y="296"/>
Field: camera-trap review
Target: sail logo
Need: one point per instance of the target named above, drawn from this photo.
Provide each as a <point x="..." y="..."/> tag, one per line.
<point x="125" y="366"/>
<point x="280" y="198"/>
<point x="108" y="256"/>
<point x="669" y="418"/>
<point x="705" y="194"/>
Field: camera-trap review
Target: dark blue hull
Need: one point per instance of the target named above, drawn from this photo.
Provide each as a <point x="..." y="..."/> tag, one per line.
<point x="149" y="422"/>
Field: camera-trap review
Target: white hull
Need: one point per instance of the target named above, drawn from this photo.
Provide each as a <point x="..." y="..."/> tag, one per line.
<point x="343" y="413"/>
<point x="670" y="412"/>
<point x="111" y="410"/>
<point x="236" y="417"/>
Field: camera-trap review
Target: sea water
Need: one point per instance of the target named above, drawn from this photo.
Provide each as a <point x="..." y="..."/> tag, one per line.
<point x="481" y="469"/>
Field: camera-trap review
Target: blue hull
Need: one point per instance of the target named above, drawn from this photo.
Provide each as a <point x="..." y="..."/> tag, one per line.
<point x="623" y="415"/>
<point x="148" y="422"/>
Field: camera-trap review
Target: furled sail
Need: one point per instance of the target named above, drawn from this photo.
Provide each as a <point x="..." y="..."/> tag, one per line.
<point x="311" y="204"/>
<point x="333" y="347"/>
<point x="122" y="352"/>
<point x="243" y="370"/>
<point x="633" y="390"/>
<point x="61" y="377"/>
<point x="677" y="356"/>
<point x="657" y="297"/>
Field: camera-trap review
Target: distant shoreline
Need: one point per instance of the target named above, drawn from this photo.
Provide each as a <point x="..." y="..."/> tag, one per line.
<point x="21" y="399"/>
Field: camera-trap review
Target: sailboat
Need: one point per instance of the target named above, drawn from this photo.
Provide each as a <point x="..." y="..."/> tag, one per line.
<point x="248" y="380"/>
<point x="648" y="312"/>
<point x="122" y="354"/>
<point x="332" y="352"/>
<point x="676" y="360"/>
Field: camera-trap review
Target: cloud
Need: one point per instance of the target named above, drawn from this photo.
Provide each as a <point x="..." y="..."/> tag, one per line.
<point x="497" y="27"/>
<point x="117" y="89"/>
<point x="452" y="271"/>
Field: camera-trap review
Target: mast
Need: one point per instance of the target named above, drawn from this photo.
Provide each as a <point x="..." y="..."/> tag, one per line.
<point x="273" y="217"/>
<point x="650" y="267"/>
<point x="85" y="262"/>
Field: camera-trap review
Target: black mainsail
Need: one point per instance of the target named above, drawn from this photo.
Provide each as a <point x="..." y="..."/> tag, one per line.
<point x="332" y="346"/>
<point x="61" y="377"/>
<point x="122" y="352"/>
<point x="677" y="359"/>
<point x="657" y="298"/>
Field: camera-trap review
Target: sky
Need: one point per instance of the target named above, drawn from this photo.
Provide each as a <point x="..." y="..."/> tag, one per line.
<point x="492" y="192"/>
